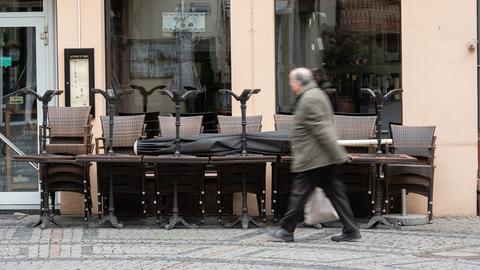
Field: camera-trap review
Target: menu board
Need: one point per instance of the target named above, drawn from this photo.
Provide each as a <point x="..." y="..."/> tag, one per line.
<point x="79" y="83"/>
<point x="79" y="78"/>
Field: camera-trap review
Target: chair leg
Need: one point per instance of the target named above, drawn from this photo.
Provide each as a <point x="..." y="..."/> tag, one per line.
<point x="52" y="197"/>
<point x="263" y="201"/>
<point x="86" y="191"/>
<point x="88" y="195"/>
<point x="202" y="197"/>
<point x="386" y="195"/>
<point x="259" y="204"/>
<point x="100" y="199"/>
<point x="157" y="202"/>
<point x="430" y="204"/>
<point x="371" y="188"/>
<point x="274" y="190"/>
<point x="144" y="205"/>
<point x="219" y="200"/>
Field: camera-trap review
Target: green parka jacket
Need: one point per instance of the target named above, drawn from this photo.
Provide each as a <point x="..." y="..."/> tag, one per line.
<point x="314" y="139"/>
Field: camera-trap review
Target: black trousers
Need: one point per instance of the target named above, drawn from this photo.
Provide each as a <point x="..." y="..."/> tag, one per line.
<point x="304" y="184"/>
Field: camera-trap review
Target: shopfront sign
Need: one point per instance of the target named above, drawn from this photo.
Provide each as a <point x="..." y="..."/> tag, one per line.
<point x="177" y="21"/>
<point x="5" y="61"/>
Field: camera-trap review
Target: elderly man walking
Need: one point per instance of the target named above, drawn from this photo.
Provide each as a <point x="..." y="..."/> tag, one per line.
<point x="316" y="154"/>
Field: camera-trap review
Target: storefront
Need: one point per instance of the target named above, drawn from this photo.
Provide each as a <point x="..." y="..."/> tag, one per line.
<point x="420" y="47"/>
<point x="27" y="61"/>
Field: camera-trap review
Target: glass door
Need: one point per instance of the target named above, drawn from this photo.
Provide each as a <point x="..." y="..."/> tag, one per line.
<point x="22" y="66"/>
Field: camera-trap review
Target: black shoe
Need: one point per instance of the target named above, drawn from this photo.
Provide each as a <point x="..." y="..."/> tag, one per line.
<point x="280" y="234"/>
<point x="347" y="237"/>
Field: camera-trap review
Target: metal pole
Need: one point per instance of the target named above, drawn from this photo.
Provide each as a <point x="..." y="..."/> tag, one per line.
<point x="177" y="124"/>
<point x="243" y="107"/>
<point x="379" y="126"/>
<point x="44" y="126"/>
<point x="111" y="112"/>
<point x="16" y="149"/>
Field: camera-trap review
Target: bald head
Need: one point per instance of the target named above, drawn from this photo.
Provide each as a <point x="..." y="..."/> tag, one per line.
<point x="299" y="77"/>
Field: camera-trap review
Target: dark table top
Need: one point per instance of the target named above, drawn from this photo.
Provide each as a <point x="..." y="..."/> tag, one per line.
<point x="241" y="159"/>
<point x="45" y="158"/>
<point x="380" y="158"/>
<point x="181" y="159"/>
<point x="369" y="158"/>
<point x="117" y="158"/>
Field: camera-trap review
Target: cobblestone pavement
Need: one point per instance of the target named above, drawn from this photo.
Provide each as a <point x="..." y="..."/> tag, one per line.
<point x="452" y="243"/>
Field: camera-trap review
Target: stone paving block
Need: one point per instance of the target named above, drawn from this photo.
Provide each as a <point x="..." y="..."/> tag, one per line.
<point x="9" y="252"/>
<point x="452" y="243"/>
<point x="438" y="265"/>
<point x="7" y="233"/>
<point x="134" y="249"/>
<point x="65" y="251"/>
<point x="76" y="251"/>
<point x="43" y="251"/>
<point x="33" y="251"/>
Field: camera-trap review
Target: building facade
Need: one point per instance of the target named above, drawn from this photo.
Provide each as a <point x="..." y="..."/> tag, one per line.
<point x="427" y="48"/>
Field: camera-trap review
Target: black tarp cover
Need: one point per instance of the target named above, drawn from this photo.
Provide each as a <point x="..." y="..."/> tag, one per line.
<point x="266" y="143"/>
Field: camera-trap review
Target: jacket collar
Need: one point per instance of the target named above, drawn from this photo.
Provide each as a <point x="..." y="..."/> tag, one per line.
<point x="308" y="86"/>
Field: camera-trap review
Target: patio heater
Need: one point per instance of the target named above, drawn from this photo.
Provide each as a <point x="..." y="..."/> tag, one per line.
<point x="45" y="99"/>
<point x="178" y="98"/>
<point x="244" y="219"/>
<point x="111" y="97"/>
<point x="380" y="99"/>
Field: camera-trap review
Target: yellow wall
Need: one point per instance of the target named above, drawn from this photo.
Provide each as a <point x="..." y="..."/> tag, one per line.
<point x="92" y="35"/>
<point x="439" y="81"/>
<point x="440" y="88"/>
<point x="253" y="66"/>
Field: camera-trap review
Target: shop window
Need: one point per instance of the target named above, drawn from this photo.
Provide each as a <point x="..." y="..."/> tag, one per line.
<point x="170" y="43"/>
<point x="358" y="43"/>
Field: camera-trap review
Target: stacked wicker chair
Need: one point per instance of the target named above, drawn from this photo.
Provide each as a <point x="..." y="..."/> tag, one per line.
<point x="190" y="126"/>
<point x="69" y="133"/>
<point x="129" y="178"/>
<point x="190" y="178"/>
<point x="151" y="122"/>
<point x="230" y="177"/>
<point x="358" y="178"/>
<point x="419" y="142"/>
<point x="283" y="122"/>
<point x="209" y="121"/>
<point x="233" y="124"/>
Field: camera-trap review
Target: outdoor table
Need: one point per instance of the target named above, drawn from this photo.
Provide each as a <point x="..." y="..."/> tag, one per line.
<point x="176" y="160"/>
<point x="43" y="159"/>
<point x="239" y="159"/>
<point x="379" y="160"/>
<point x="110" y="159"/>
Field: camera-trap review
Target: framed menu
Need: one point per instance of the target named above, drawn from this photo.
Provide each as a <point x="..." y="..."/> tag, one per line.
<point x="79" y="78"/>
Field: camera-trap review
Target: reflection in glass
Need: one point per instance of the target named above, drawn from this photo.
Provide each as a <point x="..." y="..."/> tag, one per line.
<point x="18" y="118"/>
<point x="172" y="43"/>
<point x="356" y="41"/>
<point x="21" y="5"/>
